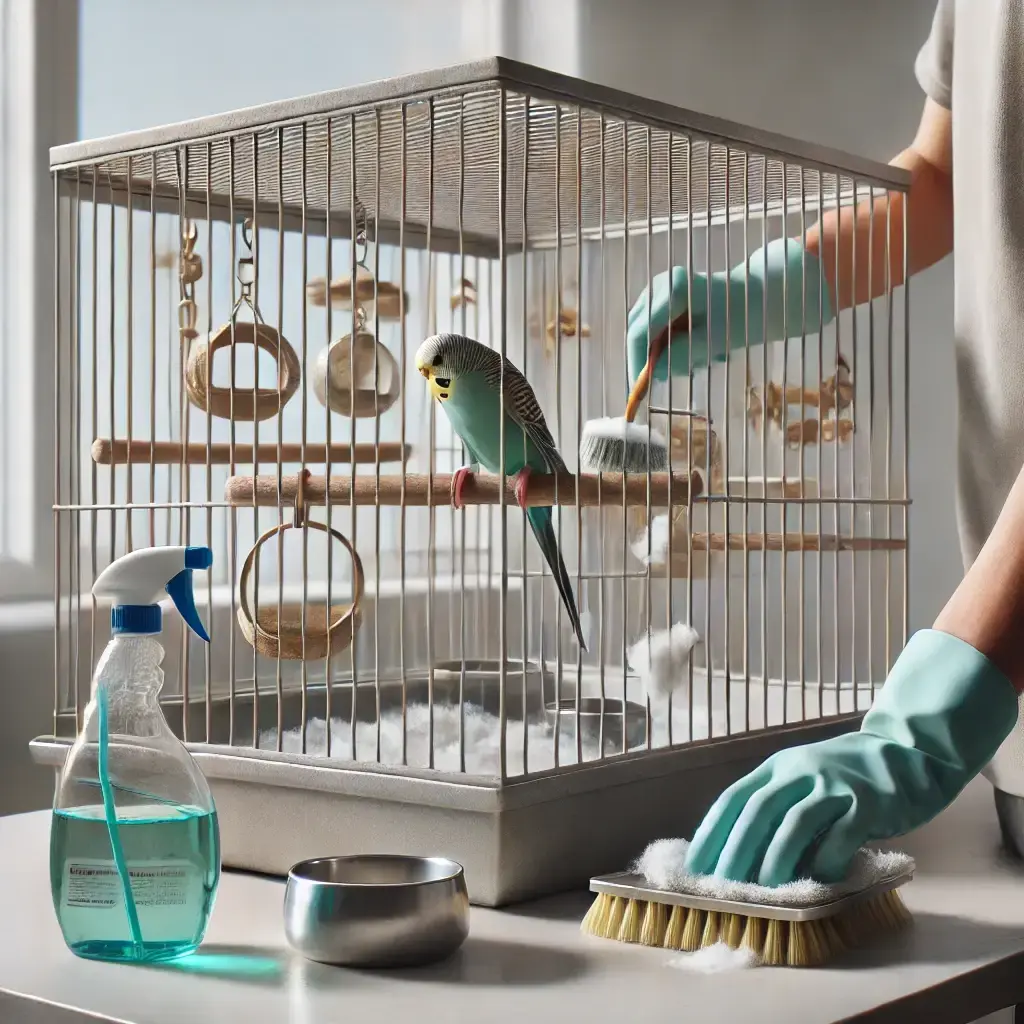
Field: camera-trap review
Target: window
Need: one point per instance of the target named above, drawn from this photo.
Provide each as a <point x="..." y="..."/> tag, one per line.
<point x="38" y="69"/>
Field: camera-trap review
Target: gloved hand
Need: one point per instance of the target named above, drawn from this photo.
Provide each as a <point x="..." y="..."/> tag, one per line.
<point x="938" y="720"/>
<point x="781" y="260"/>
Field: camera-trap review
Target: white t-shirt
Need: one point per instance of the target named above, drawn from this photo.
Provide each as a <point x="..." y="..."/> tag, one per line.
<point x="973" y="64"/>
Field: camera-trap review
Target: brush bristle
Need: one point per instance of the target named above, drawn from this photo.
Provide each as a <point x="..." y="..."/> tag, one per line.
<point x="676" y="924"/>
<point x="632" y="921"/>
<point x="616" y="446"/>
<point x="615" y="915"/>
<point x="693" y="931"/>
<point x="711" y="928"/>
<point x="799" y="943"/>
<point x="775" y="943"/>
<point x="598" y="917"/>
<point x="754" y="934"/>
<point x="655" y="925"/>
<point x="732" y="930"/>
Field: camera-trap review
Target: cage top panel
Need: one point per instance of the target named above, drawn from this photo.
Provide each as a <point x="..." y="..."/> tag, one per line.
<point x="427" y="151"/>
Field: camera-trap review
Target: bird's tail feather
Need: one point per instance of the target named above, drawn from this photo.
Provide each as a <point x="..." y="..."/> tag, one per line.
<point x="540" y="518"/>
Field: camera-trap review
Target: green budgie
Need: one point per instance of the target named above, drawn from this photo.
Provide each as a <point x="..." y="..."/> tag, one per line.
<point x="466" y="379"/>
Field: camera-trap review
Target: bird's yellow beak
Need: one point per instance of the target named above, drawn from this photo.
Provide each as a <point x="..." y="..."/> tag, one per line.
<point x="440" y="388"/>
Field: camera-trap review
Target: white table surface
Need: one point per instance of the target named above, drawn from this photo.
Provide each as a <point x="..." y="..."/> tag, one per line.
<point x="964" y="958"/>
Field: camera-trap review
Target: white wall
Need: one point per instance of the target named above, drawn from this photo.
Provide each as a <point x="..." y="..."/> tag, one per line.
<point x="245" y="52"/>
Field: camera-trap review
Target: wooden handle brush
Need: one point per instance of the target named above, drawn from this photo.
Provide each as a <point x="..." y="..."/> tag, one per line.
<point x="619" y="445"/>
<point x="785" y="930"/>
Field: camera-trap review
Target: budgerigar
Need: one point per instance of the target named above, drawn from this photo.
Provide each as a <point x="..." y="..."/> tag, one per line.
<point x="466" y="379"/>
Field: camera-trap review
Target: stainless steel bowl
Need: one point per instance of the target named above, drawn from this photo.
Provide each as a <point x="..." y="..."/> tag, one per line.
<point x="376" y="910"/>
<point x="599" y="716"/>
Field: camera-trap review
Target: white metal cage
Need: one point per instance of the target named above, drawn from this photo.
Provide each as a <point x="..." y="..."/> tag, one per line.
<point x="526" y="210"/>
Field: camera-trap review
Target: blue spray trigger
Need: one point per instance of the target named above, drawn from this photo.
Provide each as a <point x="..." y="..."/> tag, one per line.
<point x="180" y="590"/>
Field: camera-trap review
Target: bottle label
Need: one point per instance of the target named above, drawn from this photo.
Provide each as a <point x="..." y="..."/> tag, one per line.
<point x="95" y="884"/>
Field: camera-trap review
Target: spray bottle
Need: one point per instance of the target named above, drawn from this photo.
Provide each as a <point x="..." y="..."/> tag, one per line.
<point x="134" y="842"/>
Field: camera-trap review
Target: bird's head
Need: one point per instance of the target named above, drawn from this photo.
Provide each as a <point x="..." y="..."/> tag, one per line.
<point x="438" y="360"/>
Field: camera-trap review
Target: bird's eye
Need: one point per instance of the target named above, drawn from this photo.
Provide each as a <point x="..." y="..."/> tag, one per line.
<point x="438" y="360"/>
<point x="443" y="382"/>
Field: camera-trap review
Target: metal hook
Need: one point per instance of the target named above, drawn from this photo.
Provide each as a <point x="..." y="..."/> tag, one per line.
<point x="299" y="515"/>
<point x="247" y="233"/>
<point x="362" y="248"/>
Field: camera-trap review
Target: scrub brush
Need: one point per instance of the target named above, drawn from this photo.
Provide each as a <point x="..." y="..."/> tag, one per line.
<point x="802" y="924"/>
<point x="613" y="445"/>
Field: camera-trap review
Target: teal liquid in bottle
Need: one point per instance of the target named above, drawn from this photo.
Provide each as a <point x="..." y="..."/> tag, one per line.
<point x="172" y="856"/>
<point x="134" y="839"/>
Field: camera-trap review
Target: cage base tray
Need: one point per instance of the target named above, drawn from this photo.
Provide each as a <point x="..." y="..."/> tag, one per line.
<point x="534" y="835"/>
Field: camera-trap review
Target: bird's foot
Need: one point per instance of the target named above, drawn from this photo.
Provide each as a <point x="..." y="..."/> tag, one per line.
<point x="458" y="480"/>
<point x="520" y="483"/>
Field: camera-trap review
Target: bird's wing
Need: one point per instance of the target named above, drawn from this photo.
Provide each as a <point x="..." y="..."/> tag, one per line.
<point x="522" y="408"/>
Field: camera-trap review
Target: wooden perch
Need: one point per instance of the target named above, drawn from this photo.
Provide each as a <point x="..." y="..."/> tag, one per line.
<point x="833" y="394"/>
<point x="789" y="542"/>
<point x="390" y="299"/>
<point x="107" y="452"/>
<point x="478" y="489"/>
<point x="806" y="432"/>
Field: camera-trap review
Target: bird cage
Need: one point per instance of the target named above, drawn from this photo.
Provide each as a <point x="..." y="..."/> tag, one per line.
<point x="240" y="300"/>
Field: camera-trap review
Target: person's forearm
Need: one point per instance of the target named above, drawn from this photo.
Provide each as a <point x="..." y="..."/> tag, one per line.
<point x="987" y="609"/>
<point x="856" y="279"/>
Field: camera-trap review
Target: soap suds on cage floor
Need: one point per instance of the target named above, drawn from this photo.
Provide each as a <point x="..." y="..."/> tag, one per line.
<point x="481" y="741"/>
<point x="482" y="731"/>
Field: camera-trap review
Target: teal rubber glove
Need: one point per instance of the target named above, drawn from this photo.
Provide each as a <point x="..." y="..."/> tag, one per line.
<point x="938" y="720"/>
<point x="782" y="262"/>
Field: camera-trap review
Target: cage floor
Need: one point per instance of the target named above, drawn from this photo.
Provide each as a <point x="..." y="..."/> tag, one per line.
<point x="749" y="708"/>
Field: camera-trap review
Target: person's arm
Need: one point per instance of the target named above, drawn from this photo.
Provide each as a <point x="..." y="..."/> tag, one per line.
<point x="949" y="702"/>
<point x="776" y="292"/>
<point x="987" y="609"/>
<point x="930" y="228"/>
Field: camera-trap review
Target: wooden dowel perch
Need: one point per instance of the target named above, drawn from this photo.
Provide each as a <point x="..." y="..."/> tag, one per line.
<point x="478" y="489"/>
<point x="107" y="452"/>
<point x="791" y="542"/>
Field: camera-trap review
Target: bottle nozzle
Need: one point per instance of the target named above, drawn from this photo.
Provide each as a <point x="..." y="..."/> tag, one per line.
<point x="198" y="557"/>
<point x="134" y="582"/>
